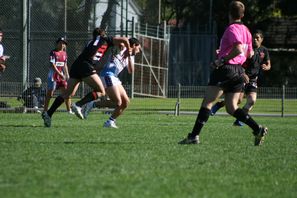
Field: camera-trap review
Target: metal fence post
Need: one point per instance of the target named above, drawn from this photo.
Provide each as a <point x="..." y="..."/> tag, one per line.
<point x="177" y="105"/>
<point x="283" y="100"/>
<point x="25" y="42"/>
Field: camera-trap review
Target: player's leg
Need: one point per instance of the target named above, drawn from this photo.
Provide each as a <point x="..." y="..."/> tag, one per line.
<point x="251" y="98"/>
<point x="98" y="90"/>
<point x="51" y="87"/>
<point x="216" y="107"/>
<point x="211" y="95"/>
<point x="231" y="102"/>
<point x="121" y="100"/>
<point x="67" y="100"/>
<point x="114" y="94"/>
<point x="232" y="108"/>
<point x="237" y="122"/>
<point x="69" y="92"/>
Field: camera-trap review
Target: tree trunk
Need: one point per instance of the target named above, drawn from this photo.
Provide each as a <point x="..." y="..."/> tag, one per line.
<point x="106" y="15"/>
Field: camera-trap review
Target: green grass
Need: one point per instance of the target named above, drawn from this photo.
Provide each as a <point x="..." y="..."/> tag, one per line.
<point x="78" y="158"/>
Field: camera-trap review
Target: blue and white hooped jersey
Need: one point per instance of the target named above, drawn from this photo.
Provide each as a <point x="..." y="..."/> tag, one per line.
<point x="115" y="64"/>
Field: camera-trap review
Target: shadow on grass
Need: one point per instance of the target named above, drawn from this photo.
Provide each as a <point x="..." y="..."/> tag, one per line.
<point x="21" y="125"/>
<point x="68" y="142"/>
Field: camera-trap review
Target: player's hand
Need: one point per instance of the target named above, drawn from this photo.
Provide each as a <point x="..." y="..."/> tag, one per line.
<point x="216" y="64"/>
<point x="2" y="65"/>
<point x="127" y="54"/>
<point x="5" y="57"/>
<point x="265" y="67"/>
<point x="62" y="76"/>
<point x="245" y="78"/>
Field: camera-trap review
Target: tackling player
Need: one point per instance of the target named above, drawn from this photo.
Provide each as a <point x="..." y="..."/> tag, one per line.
<point x="83" y="69"/>
<point x="119" y="60"/>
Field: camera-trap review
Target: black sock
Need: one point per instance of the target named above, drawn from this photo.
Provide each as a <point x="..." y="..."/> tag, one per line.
<point x="242" y="116"/>
<point x="202" y="118"/>
<point x="88" y="98"/>
<point x="58" y="101"/>
<point x="221" y="103"/>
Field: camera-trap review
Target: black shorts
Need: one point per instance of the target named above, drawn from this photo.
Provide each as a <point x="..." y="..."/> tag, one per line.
<point x="228" y="77"/>
<point x="252" y="86"/>
<point x="81" y="69"/>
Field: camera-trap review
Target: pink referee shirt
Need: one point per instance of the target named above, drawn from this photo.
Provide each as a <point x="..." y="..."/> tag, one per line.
<point x="236" y="34"/>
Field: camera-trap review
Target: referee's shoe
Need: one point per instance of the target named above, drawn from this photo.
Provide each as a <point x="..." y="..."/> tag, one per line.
<point x="259" y="136"/>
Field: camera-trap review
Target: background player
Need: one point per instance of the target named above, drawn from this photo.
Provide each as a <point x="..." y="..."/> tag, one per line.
<point x="3" y="58"/>
<point x="58" y="73"/>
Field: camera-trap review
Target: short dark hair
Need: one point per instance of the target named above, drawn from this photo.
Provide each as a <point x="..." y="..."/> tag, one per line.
<point x="98" y="32"/>
<point x="259" y="32"/>
<point x="236" y="9"/>
<point x="133" y="41"/>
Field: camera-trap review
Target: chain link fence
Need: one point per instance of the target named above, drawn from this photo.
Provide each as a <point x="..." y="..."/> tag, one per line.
<point x="49" y="19"/>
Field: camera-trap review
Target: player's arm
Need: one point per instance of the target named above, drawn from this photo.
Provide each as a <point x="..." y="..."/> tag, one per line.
<point x="117" y="41"/>
<point x="235" y="51"/>
<point x="130" y="64"/>
<point x="53" y="65"/>
<point x="2" y="62"/>
<point x="267" y="64"/>
<point x="2" y="65"/>
<point x="66" y="72"/>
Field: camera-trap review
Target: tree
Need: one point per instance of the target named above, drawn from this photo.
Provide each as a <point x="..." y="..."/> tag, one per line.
<point x="106" y="15"/>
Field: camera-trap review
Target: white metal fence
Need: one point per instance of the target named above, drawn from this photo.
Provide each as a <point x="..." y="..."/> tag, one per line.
<point x="276" y="101"/>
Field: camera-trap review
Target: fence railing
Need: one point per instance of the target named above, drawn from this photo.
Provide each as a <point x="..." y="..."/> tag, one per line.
<point x="275" y="101"/>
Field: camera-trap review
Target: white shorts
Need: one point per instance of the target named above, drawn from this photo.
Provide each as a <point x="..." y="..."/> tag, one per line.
<point x="109" y="81"/>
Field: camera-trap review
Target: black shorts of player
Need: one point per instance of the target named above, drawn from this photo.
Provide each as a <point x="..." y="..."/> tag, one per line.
<point x="252" y="86"/>
<point x="228" y="77"/>
<point x="81" y="69"/>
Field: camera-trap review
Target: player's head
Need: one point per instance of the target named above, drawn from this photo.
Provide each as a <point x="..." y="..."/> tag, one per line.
<point x="236" y="10"/>
<point x="61" y="43"/>
<point x="98" y="32"/>
<point x="135" y="45"/>
<point x="258" y="38"/>
<point x="37" y="82"/>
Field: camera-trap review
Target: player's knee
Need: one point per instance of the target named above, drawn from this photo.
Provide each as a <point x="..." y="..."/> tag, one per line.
<point x="252" y="103"/>
<point x="230" y="110"/>
<point x="125" y="103"/>
<point x="240" y="100"/>
<point x="101" y="93"/>
<point x="119" y="103"/>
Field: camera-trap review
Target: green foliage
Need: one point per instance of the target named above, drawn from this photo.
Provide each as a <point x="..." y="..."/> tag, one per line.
<point x="78" y="158"/>
<point x="191" y="10"/>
